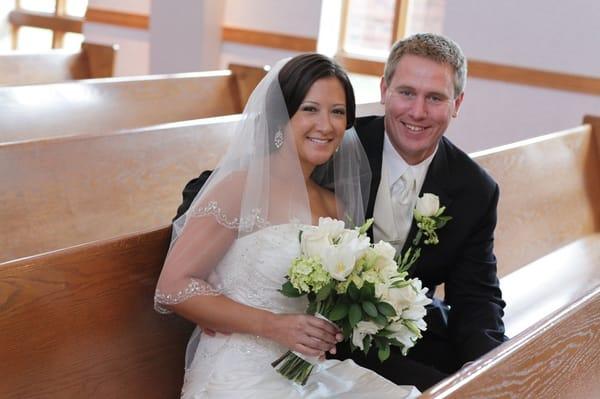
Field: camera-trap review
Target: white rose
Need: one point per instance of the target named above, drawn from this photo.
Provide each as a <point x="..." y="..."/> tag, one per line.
<point x="314" y="243"/>
<point x="331" y="227"/>
<point x="362" y="329"/>
<point x="427" y="205"/>
<point x="385" y="250"/>
<point x="381" y="290"/>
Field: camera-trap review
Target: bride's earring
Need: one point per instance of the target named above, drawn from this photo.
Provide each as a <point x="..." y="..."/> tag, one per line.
<point x="278" y="141"/>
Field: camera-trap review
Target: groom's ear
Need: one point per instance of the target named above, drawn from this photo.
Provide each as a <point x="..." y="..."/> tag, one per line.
<point x="457" y="103"/>
<point x="383" y="89"/>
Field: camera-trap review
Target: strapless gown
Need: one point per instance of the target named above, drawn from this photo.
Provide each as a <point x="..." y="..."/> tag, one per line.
<point x="239" y="365"/>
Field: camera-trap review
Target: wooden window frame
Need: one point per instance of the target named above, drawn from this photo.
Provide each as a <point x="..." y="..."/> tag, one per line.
<point x="58" y="22"/>
<point x="364" y="65"/>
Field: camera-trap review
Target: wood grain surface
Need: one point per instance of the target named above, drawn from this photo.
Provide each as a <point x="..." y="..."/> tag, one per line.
<point x="67" y="191"/>
<point x="79" y="323"/>
<point x="557" y="358"/>
<point x="549" y="194"/>
<point x="105" y="105"/>
<point x="92" y="61"/>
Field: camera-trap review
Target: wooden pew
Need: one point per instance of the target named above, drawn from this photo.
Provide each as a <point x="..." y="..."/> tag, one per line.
<point x="247" y="78"/>
<point x="98" y="106"/>
<point x="559" y="357"/>
<point x="66" y="191"/>
<point x="62" y="192"/>
<point x="108" y="286"/>
<point x="79" y="323"/>
<point x="91" y="61"/>
<point x="549" y="193"/>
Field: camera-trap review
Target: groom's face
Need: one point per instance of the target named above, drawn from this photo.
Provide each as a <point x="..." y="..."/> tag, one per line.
<point x="419" y="104"/>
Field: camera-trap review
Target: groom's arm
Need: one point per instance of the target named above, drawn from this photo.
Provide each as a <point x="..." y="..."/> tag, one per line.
<point x="190" y="191"/>
<point x="472" y="290"/>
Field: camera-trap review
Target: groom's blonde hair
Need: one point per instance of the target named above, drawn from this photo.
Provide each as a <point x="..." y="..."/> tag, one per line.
<point x="437" y="48"/>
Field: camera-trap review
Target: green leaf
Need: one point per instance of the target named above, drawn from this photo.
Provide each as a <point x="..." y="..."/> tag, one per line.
<point x="367" y="344"/>
<point x="353" y="291"/>
<point x="325" y="291"/>
<point x="346" y="329"/>
<point x="386" y="309"/>
<point x="312" y="308"/>
<point x="417" y="239"/>
<point x="367" y="291"/>
<point x="369" y="308"/>
<point x="289" y="290"/>
<point x="363" y="229"/>
<point x="380" y="320"/>
<point x="354" y="314"/>
<point x="339" y="311"/>
<point x="384" y="352"/>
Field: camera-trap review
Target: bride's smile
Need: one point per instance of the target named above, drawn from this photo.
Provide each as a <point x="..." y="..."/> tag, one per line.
<point x="319" y="124"/>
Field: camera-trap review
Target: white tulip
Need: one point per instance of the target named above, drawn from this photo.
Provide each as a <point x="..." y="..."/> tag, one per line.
<point x="427" y="205"/>
<point x="362" y="329"/>
<point x="339" y="264"/>
<point x="402" y="334"/>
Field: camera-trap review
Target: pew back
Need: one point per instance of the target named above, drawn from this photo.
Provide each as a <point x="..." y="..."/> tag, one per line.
<point x="79" y="323"/>
<point x="62" y="192"/>
<point x="99" y="106"/>
<point x="247" y="78"/>
<point x="557" y="358"/>
<point x="91" y="61"/>
<point x="549" y="193"/>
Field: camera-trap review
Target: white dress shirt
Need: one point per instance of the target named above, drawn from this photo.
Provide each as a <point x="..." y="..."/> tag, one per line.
<point x="393" y="220"/>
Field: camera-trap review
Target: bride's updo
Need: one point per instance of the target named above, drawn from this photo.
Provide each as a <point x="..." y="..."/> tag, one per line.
<point x="301" y="72"/>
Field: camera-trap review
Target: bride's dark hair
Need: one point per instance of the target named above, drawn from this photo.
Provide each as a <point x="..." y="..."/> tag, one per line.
<point x="301" y="72"/>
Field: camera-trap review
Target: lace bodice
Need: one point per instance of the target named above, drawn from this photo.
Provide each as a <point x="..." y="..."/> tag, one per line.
<point x="255" y="266"/>
<point x="252" y="272"/>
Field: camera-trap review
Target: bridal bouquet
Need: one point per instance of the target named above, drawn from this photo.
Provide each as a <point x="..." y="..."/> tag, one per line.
<point x="357" y="285"/>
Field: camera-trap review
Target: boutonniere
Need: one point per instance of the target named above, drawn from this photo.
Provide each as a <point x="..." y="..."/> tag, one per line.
<point x="429" y="217"/>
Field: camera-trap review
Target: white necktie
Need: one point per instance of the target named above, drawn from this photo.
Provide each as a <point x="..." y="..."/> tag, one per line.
<point x="403" y="194"/>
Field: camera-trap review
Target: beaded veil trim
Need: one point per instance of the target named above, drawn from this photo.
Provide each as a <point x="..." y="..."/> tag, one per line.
<point x="245" y="224"/>
<point x="194" y="287"/>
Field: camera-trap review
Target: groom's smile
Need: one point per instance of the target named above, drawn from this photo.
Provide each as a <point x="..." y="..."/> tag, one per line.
<point x="419" y="103"/>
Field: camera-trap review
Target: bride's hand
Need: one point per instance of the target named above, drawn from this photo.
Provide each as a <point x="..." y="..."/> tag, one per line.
<point x="305" y="334"/>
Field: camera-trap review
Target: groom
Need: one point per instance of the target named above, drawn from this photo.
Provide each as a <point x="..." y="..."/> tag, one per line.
<point x="422" y="90"/>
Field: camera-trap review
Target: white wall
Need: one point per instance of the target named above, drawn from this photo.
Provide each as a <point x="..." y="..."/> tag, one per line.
<point x="291" y="17"/>
<point x="5" y="32"/>
<point x="177" y="29"/>
<point x="133" y="57"/>
<point x="555" y="35"/>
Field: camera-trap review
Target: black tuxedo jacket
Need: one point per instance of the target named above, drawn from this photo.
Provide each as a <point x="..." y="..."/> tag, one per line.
<point x="468" y="323"/>
<point x="470" y="317"/>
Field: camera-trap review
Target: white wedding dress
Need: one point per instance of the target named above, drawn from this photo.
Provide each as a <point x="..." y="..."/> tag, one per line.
<point x="238" y="365"/>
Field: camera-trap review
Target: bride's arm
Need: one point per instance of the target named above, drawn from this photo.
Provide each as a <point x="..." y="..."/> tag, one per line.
<point x="302" y="333"/>
<point x="193" y="258"/>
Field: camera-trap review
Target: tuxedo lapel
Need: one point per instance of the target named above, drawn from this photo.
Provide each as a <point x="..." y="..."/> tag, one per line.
<point x="371" y="134"/>
<point x="436" y="182"/>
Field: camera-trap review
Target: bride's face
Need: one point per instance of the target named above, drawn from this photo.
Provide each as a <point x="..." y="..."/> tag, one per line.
<point x="319" y="124"/>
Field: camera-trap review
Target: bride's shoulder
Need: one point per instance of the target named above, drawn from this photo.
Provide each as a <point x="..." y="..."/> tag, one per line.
<point x="331" y="202"/>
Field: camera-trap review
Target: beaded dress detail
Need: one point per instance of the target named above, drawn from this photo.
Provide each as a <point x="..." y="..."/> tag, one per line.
<point x="238" y="365"/>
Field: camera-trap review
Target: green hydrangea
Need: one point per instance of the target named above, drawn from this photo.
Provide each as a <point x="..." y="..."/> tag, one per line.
<point x="308" y="275"/>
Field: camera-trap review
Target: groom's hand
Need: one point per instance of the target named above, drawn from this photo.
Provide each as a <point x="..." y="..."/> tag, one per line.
<point x="305" y="334"/>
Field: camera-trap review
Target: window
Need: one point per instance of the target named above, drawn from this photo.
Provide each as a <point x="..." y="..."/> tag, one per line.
<point x="45" y="24"/>
<point x="368" y="28"/>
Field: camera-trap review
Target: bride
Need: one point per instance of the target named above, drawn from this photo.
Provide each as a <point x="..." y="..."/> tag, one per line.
<point x="231" y="250"/>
